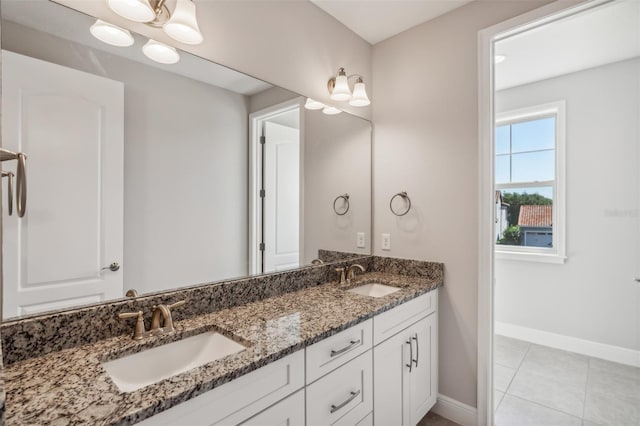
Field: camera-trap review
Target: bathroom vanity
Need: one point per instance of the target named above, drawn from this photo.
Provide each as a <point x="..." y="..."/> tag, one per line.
<point x="313" y="356"/>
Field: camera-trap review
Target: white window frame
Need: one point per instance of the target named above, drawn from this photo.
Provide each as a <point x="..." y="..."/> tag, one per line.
<point x="556" y="254"/>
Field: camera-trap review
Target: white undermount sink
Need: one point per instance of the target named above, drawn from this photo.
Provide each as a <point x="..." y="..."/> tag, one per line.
<point x="374" y="290"/>
<point x="141" y="369"/>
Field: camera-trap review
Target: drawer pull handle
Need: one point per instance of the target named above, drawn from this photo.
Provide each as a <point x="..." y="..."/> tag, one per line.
<point x="353" y="396"/>
<point x="417" y="349"/>
<point x="410" y="365"/>
<point x="352" y="344"/>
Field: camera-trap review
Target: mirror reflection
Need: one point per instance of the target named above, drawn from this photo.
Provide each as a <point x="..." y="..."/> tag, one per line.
<point x="146" y="176"/>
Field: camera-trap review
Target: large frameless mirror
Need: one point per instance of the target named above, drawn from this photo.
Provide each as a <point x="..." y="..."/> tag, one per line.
<point x="144" y="177"/>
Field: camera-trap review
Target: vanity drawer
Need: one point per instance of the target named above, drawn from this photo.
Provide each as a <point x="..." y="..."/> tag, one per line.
<point x="344" y="396"/>
<point x="236" y="401"/>
<point x="332" y="352"/>
<point x="397" y="319"/>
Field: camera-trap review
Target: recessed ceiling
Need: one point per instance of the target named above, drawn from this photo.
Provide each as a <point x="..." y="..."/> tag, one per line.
<point x="377" y="20"/>
<point x="603" y="35"/>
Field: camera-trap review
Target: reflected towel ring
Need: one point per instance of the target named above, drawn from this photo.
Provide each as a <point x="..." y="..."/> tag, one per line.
<point x="344" y="197"/>
<point x="404" y="195"/>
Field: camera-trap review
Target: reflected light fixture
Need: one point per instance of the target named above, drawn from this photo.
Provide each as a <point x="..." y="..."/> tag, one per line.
<point x="111" y="34"/>
<point x="181" y="26"/>
<point x="313" y="105"/>
<point x="340" y="91"/>
<point x="160" y="52"/>
<point x="499" y="58"/>
<point x="329" y="110"/>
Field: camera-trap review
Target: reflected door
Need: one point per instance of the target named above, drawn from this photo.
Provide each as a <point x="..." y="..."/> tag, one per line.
<point x="70" y="124"/>
<point x="281" y="212"/>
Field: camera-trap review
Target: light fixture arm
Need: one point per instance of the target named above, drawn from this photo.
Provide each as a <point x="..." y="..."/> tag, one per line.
<point x="162" y="13"/>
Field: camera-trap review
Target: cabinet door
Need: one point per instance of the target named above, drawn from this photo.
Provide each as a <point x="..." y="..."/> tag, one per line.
<point x="288" y="412"/>
<point x="391" y="381"/>
<point x="423" y="379"/>
<point x="342" y="397"/>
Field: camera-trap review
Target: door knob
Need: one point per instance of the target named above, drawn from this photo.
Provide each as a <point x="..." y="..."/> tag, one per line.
<point x="113" y="267"/>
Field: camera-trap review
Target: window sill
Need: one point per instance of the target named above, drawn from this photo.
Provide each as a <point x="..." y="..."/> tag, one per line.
<point x="530" y="257"/>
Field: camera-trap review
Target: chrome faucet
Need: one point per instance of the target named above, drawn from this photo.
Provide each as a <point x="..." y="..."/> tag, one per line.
<point x="163" y="311"/>
<point x="351" y="271"/>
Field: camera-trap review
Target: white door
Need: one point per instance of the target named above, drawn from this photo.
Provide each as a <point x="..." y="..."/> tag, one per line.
<point x="70" y="124"/>
<point x="281" y="212"/>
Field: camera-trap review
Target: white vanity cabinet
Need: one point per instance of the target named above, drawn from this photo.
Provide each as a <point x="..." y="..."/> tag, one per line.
<point x="406" y="363"/>
<point x="339" y="378"/>
<point x="382" y="371"/>
<point x="240" y="399"/>
<point x="344" y="397"/>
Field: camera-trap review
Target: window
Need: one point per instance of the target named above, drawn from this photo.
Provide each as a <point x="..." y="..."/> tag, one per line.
<point x="529" y="176"/>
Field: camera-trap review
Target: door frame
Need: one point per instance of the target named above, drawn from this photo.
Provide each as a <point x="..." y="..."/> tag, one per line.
<point x="256" y="121"/>
<point x="486" y="185"/>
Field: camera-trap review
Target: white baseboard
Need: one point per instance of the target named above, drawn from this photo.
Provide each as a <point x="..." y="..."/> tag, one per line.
<point x="568" y="343"/>
<point x="455" y="411"/>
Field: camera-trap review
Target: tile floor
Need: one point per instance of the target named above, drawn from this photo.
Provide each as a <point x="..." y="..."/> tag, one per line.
<point x="540" y="386"/>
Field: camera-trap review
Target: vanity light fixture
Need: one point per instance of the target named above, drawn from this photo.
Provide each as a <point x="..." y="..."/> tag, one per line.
<point x="111" y="34"/>
<point x="116" y="36"/>
<point x="340" y="91"/>
<point x="498" y="59"/>
<point x="160" y="52"/>
<point x="181" y="26"/>
<point x="329" y="110"/>
<point x="313" y="105"/>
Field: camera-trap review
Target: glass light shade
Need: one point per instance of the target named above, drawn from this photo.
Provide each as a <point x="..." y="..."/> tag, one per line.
<point x="341" y="90"/>
<point x="134" y="10"/>
<point x="160" y="52"/>
<point x="329" y="110"/>
<point x="359" y="97"/>
<point x="311" y="104"/>
<point x="183" y="25"/>
<point x="111" y="34"/>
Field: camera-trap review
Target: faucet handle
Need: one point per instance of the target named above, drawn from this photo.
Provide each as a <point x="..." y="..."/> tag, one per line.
<point x="177" y="304"/>
<point x="139" y="330"/>
<point x="125" y="315"/>
<point x="341" y="271"/>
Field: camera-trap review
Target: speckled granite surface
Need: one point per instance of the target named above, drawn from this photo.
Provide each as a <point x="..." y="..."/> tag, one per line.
<point x="30" y="337"/>
<point x="2" y="391"/>
<point x="70" y="387"/>
<point x="335" y="256"/>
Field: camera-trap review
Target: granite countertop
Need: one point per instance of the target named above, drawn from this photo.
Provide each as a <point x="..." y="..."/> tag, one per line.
<point x="70" y="386"/>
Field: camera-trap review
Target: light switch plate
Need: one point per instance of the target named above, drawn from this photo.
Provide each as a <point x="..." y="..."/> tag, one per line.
<point x="360" y="240"/>
<point x="386" y="241"/>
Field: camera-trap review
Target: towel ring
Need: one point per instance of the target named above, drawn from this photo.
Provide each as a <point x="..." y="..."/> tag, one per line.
<point x="344" y="197"/>
<point x="404" y="195"/>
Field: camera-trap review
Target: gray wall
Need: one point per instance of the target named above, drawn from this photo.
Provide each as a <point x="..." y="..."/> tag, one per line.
<point x="337" y="160"/>
<point x="592" y="296"/>
<point x="185" y="167"/>
<point x="425" y="117"/>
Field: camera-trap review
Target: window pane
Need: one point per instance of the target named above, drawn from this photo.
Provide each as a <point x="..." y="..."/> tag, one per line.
<point x="533" y="135"/>
<point x="533" y="166"/>
<point x="503" y="169"/>
<point x="524" y="217"/>
<point x="503" y="144"/>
